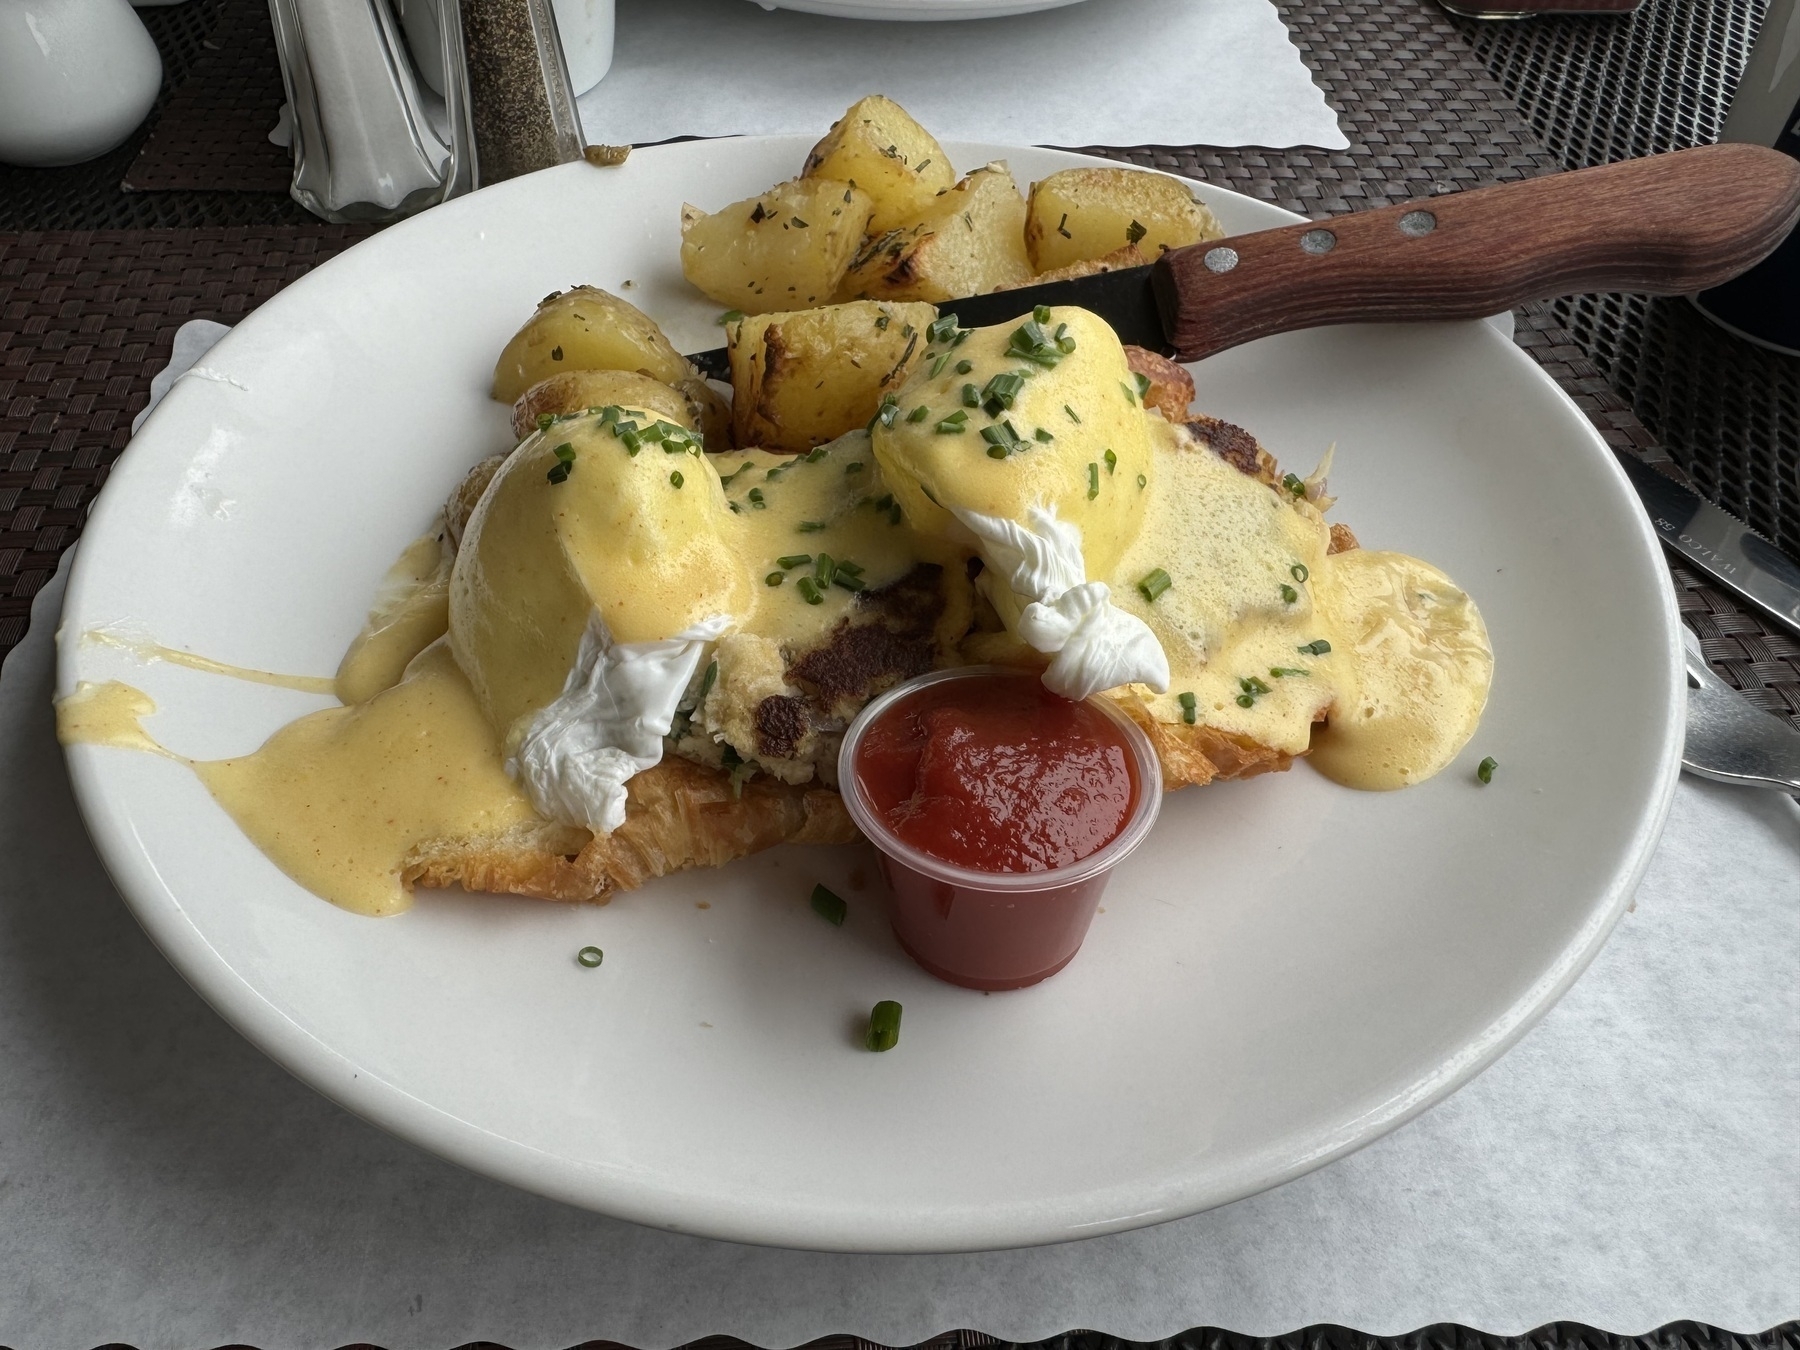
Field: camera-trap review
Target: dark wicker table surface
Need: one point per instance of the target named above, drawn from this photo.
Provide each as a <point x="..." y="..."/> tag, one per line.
<point x="95" y="278"/>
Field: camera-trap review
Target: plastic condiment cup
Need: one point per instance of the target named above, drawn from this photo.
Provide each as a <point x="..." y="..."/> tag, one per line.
<point x="994" y="930"/>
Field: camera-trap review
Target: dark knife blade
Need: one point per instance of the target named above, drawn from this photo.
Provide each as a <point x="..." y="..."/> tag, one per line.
<point x="1718" y="543"/>
<point x="1123" y="298"/>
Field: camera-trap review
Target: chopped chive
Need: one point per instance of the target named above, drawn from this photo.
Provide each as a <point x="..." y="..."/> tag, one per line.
<point x="1072" y="417"/>
<point x="800" y="224"/>
<point x="884" y="1026"/>
<point x="894" y="514"/>
<point x="937" y="366"/>
<point x="964" y="367"/>
<point x="849" y="583"/>
<point x="556" y="353"/>
<point x="559" y="473"/>
<point x="775" y="578"/>
<point x="565" y="453"/>
<point x="1093" y="481"/>
<point x="1317" y="647"/>
<point x="1062" y="226"/>
<point x="1187" y="707"/>
<point x="1293" y="484"/>
<point x="881" y="320"/>
<point x="919" y="414"/>
<point x="941" y="329"/>
<point x="708" y="680"/>
<point x="1112" y="461"/>
<point x="809" y="591"/>
<point x="953" y="424"/>
<point x="1298" y="572"/>
<point x="630" y="441"/>
<point x="1143" y="384"/>
<point x="1485" y="770"/>
<point x="1246" y="701"/>
<point x="971" y="396"/>
<point x="590" y="956"/>
<point x="854" y="466"/>
<point x="675" y="479"/>
<point x="847" y="568"/>
<point x="755" y="498"/>
<point x="1041" y="313"/>
<point x="1125" y="389"/>
<point x="1134" y="232"/>
<point x="1288" y="593"/>
<point x="1143" y="481"/>
<point x="814" y="456"/>
<point x="1042" y="435"/>
<point x="1154" y="584"/>
<point x="828" y="906"/>
<point x="824" y="569"/>
<point x="810" y="526"/>
<point x="794" y="560"/>
<point x="1277" y="672"/>
<point x="731" y="316"/>
<point x="545" y="421"/>
<point x="996" y="452"/>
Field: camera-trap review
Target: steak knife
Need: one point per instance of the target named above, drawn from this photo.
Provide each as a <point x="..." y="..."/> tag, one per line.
<point x="1666" y="224"/>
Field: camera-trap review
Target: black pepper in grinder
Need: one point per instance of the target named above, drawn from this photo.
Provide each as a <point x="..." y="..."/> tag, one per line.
<point x="517" y="107"/>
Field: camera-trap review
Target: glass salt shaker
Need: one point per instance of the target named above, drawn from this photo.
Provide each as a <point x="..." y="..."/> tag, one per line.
<point x="364" y="145"/>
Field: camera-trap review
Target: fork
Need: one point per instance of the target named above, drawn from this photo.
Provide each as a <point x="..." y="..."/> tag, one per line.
<point x="1729" y="738"/>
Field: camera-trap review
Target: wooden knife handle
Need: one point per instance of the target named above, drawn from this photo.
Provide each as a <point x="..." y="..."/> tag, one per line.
<point x="1667" y="224"/>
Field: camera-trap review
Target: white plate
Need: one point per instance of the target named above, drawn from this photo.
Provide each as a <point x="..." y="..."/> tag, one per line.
<point x="1285" y="971"/>
<point x="916" y="9"/>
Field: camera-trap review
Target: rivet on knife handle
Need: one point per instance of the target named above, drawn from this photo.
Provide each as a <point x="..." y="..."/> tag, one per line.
<point x="1666" y="224"/>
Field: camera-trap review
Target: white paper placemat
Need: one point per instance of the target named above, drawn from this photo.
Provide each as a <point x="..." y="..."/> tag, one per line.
<point x="1633" y="1161"/>
<point x="1104" y="72"/>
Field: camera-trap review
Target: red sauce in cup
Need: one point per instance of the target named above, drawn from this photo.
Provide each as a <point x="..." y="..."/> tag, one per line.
<point x="997" y="774"/>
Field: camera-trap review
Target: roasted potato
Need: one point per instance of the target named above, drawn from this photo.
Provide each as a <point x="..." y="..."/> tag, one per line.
<point x="970" y="241"/>
<point x="585" y="329"/>
<point x="787" y="249"/>
<point x="879" y="147"/>
<point x="1129" y="256"/>
<point x="711" y="412"/>
<point x="578" y="390"/>
<point x="799" y="380"/>
<point x="1081" y="214"/>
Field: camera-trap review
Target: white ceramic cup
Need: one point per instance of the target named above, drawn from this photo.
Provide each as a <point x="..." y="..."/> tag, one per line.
<point x="585" y="27"/>
<point x="76" y="78"/>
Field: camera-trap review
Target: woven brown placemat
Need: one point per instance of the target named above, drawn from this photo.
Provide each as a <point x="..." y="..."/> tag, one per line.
<point x="213" y="133"/>
<point x="86" y="318"/>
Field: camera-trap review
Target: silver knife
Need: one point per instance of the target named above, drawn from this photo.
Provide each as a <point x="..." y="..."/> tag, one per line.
<point x="1718" y="543"/>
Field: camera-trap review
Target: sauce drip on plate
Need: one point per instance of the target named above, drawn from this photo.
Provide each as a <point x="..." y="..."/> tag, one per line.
<point x="997" y="774"/>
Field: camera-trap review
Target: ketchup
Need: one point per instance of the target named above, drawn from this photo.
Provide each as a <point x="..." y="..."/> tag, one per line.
<point x="995" y="773"/>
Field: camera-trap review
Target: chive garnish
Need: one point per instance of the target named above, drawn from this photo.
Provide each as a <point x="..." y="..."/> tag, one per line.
<point x="1298" y="572"/>
<point x="1125" y="389"/>
<point x="1041" y="313"/>
<point x="810" y="526"/>
<point x="1154" y="584"/>
<point x="559" y="473"/>
<point x="1288" y="593"/>
<point x="882" y="320"/>
<point x="1042" y="435"/>
<point x="1112" y="461"/>
<point x="941" y="329"/>
<point x="1251" y="685"/>
<point x="971" y="396"/>
<point x="1186" y="701"/>
<point x="854" y="466"/>
<point x="707" y="681"/>
<point x="1246" y="700"/>
<point x="794" y="560"/>
<point x="590" y="956"/>
<point x="1072" y="417"/>
<point x="1485" y="770"/>
<point x="953" y="424"/>
<point x="565" y="453"/>
<point x="1134" y="232"/>
<point x="1093" y="481"/>
<point x="847" y="568"/>
<point x="814" y="456"/>
<point x="886" y="413"/>
<point x="800" y="224"/>
<point x="998" y="394"/>
<point x="755" y="498"/>
<point x="919" y="414"/>
<point x="849" y="583"/>
<point x="884" y="1026"/>
<point x="556" y="353"/>
<point x="1293" y="484"/>
<point x="964" y="367"/>
<point x="775" y="578"/>
<point x="545" y="421"/>
<point x="1317" y="647"/>
<point x="675" y="479"/>
<point x="1143" y="481"/>
<point x="828" y="906"/>
<point x="1062" y="226"/>
<point x="731" y="316"/>
<point x="1277" y="672"/>
<point x="1143" y="384"/>
<point x="809" y="591"/>
<point x="824" y="569"/>
<point x="1031" y="343"/>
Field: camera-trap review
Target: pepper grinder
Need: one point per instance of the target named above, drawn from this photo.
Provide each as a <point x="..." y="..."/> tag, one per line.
<point x="507" y="87"/>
